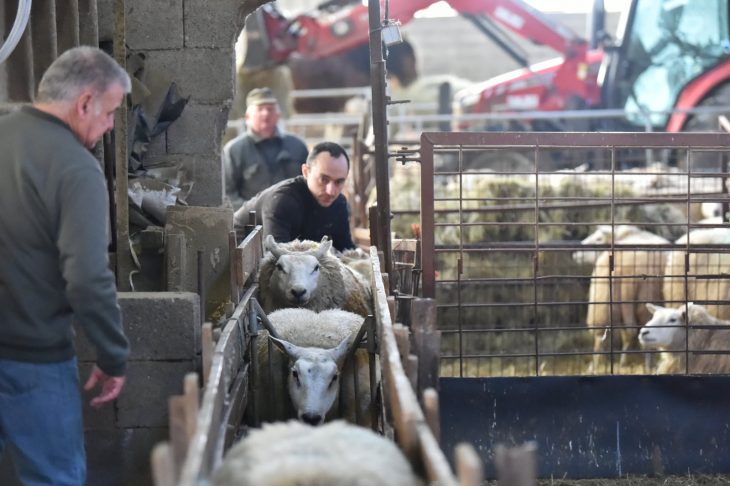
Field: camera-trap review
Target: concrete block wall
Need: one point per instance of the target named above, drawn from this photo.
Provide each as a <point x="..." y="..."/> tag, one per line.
<point x="190" y="43"/>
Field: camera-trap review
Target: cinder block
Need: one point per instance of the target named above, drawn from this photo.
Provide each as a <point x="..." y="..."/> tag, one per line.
<point x="198" y="130"/>
<point x="159" y="326"/>
<point x="154" y="25"/>
<point x="149" y="386"/>
<point x="207" y="75"/>
<point x="208" y="189"/>
<point x="121" y="457"/>
<point x="204" y="229"/>
<point x="226" y="16"/>
<point x="106" y="19"/>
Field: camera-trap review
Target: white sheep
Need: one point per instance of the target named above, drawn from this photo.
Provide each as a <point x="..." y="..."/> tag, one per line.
<point x="700" y="287"/>
<point x="305" y="274"/>
<point x="331" y="455"/>
<point x="667" y="331"/>
<point x="622" y="234"/>
<point x="314" y="368"/>
<point x="358" y="260"/>
<point x="636" y="279"/>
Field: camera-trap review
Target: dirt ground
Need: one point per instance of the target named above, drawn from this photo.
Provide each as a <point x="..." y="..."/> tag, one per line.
<point x="690" y="480"/>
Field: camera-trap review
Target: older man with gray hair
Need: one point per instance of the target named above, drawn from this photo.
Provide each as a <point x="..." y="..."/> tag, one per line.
<point x="53" y="245"/>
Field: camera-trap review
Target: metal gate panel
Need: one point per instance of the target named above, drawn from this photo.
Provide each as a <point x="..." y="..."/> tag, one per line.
<point x="502" y="217"/>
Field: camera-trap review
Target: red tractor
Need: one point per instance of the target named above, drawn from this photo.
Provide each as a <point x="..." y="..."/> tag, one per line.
<point x="667" y="69"/>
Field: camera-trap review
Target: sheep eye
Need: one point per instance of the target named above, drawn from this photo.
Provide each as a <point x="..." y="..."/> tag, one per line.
<point x="334" y="380"/>
<point x="279" y="267"/>
<point x="316" y="268"/>
<point x="295" y="374"/>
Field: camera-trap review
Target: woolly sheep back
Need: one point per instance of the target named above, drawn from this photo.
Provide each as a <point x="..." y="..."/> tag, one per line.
<point x="333" y="454"/>
<point x="700" y="289"/>
<point x="629" y="294"/>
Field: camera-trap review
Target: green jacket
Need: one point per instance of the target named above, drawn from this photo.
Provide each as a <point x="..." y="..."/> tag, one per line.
<point x="53" y="245"/>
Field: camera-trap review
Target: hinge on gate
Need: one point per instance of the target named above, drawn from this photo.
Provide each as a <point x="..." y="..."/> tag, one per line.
<point x="404" y="154"/>
<point x="610" y="262"/>
<point x="686" y="263"/>
<point x="459" y="265"/>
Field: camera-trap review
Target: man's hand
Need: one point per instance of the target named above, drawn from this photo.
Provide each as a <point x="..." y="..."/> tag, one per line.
<point x="111" y="386"/>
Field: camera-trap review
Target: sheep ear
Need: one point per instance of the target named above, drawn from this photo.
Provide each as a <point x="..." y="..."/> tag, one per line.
<point x="686" y="309"/>
<point x="270" y="244"/>
<point x="651" y="307"/>
<point x="339" y="353"/>
<point x="324" y="247"/>
<point x="291" y="350"/>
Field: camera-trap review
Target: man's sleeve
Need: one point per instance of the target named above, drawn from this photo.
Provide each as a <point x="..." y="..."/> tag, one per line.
<point x="231" y="175"/>
<point x="90" y="286"/>
<point x="279" y="216"/>
<point x="342" y="237"/>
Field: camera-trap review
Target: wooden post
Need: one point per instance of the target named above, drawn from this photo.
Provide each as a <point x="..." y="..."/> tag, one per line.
<point x="427" y="342"/>
<point x="516" y="466"/>
<point x="206" y="339"/>
<point x="469" y="468"/>
<point x="232" y="264"/>
<point x="391" y="307"/>
<point x="403" y="342"/>
<point x="431" y="411"/>
<point x="178" y="433"/>
<point x="191" y="393"/>
<point x="163" y="468"/>
<point x="175" y="261"/>
<point x="412" y="370"/>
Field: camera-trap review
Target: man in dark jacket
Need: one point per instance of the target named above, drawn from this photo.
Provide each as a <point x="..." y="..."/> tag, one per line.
<point x="55" y="267"/>
<point x="309" y="206"/>
<point x="262" y="156"/>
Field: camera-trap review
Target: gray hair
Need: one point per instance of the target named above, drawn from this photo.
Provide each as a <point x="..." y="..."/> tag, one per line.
<point x="77" y="69"/>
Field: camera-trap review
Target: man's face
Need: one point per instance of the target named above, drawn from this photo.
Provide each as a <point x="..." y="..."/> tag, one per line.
<point x="95" y="114"/>
<point x="262" y="119"/>
<point x="326" y="177"/>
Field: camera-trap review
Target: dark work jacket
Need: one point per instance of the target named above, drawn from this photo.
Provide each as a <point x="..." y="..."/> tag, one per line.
<point x="288" y="211"/>
<point x="251" y="164"/>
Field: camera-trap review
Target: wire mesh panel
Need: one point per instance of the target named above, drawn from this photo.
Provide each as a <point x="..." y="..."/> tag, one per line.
<point x="544" y="249"/>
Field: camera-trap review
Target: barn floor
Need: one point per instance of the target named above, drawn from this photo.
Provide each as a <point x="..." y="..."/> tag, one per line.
<point x="694" y="480"/>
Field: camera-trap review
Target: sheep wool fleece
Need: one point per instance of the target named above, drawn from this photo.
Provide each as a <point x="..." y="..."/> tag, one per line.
<point x="53" y="243"/>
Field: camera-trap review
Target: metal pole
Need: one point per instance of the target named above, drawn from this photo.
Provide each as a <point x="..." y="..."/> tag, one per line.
<point x="380" y="123"/>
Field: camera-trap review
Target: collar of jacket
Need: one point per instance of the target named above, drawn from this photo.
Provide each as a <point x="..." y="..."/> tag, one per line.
<point x="258" y="138"/>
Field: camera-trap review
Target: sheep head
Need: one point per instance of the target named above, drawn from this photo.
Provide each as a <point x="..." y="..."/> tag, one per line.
<point x="665" y="329"/>
<point x="296" y="273"/>
<point x="603" y="235"/>
<point x="313" y="380"/>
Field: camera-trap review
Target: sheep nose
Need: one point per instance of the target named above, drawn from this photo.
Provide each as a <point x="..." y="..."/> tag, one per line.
<point x="643" y="332"/>
<point x="298" y="293"/>
<point x="312" y="418"/>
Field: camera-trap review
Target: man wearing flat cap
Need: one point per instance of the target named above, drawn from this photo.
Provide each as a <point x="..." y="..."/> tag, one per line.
<point x="263" y="155"/>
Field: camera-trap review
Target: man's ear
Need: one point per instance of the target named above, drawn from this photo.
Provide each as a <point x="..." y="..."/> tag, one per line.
<point x="305" y="170"/>
<point x="85" y="103"/>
